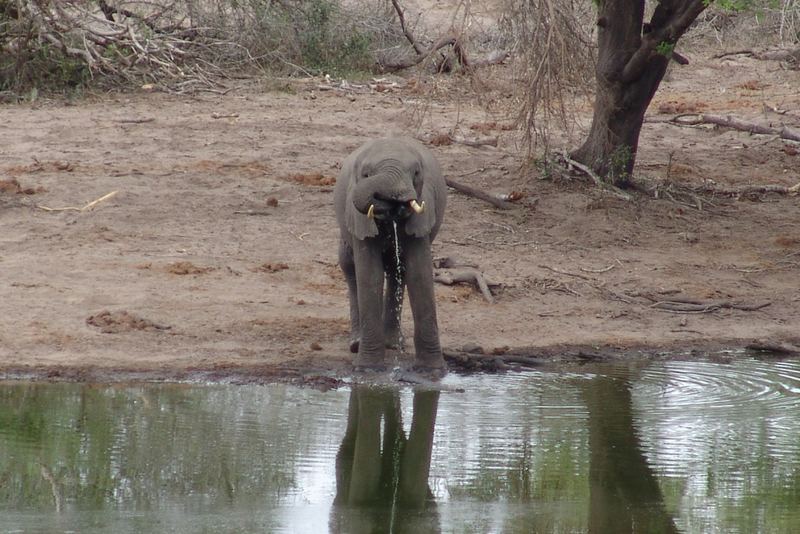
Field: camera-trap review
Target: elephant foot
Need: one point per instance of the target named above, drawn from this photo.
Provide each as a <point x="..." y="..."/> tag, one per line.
<point x="370" y="369"/>
<point x="433" y="363"/>
<point x="428" y="372"/>
<point x="370" y="362"/>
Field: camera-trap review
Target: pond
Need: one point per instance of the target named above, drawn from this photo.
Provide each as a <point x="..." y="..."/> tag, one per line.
<point x="667" y="446"/>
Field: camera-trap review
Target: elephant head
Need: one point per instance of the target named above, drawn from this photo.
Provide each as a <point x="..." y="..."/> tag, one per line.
<point x="393" y="180"/>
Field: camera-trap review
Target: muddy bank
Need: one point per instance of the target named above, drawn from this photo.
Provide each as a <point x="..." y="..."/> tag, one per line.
<point x="334" y="374"/>
<point x="217" y="250"/>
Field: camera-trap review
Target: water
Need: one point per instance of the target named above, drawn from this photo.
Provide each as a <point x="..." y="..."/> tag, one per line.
<point x="681" y="446"/>
<point x="399" y="286"/>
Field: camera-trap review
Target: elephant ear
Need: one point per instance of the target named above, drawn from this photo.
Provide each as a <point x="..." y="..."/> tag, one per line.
<point x="358" y="224"/>
<point x="422" y="224"/>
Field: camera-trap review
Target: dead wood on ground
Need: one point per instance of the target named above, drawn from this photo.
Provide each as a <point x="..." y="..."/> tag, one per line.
<point x="604" y="186"/>
<point x="791" y="55"/>
<point x="481" y="195"/>
<point x="118" y="42"/>
<point x="750" y="189"/>
<point x="478" y="361"/>
<point x="451" y="39"/>
<point x="445" y="139"/>
<point x="695" y="119"/>
<point x="697" y="306"/>
<point x="87" y="207"/>
<point x="453" y="272"/>
<point x="774" y="347"/>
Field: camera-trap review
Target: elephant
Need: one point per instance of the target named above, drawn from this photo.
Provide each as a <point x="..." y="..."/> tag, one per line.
<point x="389" y="199"/>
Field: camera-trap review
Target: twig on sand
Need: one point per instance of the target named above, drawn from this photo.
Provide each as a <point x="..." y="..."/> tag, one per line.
<point x="614" y="190"/>
<point x="603" y="270"/>
<point x="750" y="189"/>
<point x="252" y="212"/>
<point x="559" y="271"/>
<point x="135" y="121"/>
<point x="445" y="139"/>
<point x="687" y="306"/>
<point x="87" y="207"/>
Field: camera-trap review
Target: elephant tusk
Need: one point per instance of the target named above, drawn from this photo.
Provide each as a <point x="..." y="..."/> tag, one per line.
<point x="371" y="211"/>
<point x="418" y="208"/>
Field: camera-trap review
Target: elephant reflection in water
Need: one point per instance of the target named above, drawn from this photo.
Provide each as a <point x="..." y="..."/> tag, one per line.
<point x="382" y="481"/>
<point x="624" y="492"/>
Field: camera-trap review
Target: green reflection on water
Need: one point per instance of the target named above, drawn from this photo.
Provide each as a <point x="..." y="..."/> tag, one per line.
<point x="633" y="450"/>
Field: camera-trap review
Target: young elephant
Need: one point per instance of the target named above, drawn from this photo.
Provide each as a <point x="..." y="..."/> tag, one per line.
<point x="390" y="198"/>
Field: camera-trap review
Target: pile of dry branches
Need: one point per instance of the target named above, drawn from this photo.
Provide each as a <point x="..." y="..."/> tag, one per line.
<point x="142" y="41"/>
<point x="187" y="45"/>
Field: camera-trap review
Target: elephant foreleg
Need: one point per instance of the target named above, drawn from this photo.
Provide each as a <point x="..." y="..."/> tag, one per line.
<point x="369" y="282"/>
<point x="348" y="266"/>
<point x="419" y="282"/>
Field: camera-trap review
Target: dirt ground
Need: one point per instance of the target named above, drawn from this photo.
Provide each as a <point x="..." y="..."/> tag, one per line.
<point x="218" y="250"/>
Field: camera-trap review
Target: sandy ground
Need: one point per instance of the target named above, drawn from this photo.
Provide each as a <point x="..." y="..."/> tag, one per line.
<point x="218" y="250"/>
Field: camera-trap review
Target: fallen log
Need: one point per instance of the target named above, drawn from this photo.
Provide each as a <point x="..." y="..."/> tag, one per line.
<point x="481" y="195"/>
<point x="750" y="189"/>
<point x="695" y="119"/>
<point x="466" y="275"/>
<point x="773" y="347"/>
<point x="445" y="139"/>
<point x="472" y="361"/>
<point x="694" y="306"/>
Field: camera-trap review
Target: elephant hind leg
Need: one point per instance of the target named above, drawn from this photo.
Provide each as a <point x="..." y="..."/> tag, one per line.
<point x="348" y="266"/>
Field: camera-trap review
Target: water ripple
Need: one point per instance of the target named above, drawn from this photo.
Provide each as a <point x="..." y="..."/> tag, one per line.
<point x="700" y="414"/>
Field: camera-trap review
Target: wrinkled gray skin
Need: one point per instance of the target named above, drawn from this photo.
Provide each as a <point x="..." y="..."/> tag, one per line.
<point x="388" y="174"/>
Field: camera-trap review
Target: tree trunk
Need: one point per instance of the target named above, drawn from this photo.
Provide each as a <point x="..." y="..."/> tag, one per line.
<point x="632" y="60"/>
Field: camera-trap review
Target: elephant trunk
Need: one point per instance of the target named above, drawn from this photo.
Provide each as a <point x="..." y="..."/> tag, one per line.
<point x="388" y="185"/>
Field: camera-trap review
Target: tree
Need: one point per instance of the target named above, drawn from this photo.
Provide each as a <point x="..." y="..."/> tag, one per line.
<point x="632" y="59"/>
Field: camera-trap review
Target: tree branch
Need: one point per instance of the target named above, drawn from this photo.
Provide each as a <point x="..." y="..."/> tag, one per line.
<point x="447" y="40"/>
<point x="668" y="24"/>
<point x="406" y="31"/>
<point x="736" y="124"/>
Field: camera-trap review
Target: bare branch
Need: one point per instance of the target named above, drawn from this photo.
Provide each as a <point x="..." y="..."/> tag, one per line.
<point x="447" y="40"/>
<point x="418" y="49"/>
<point x="616" y="191"/>
<point x="736" y="124"/>
<point x="670" y="21"/>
